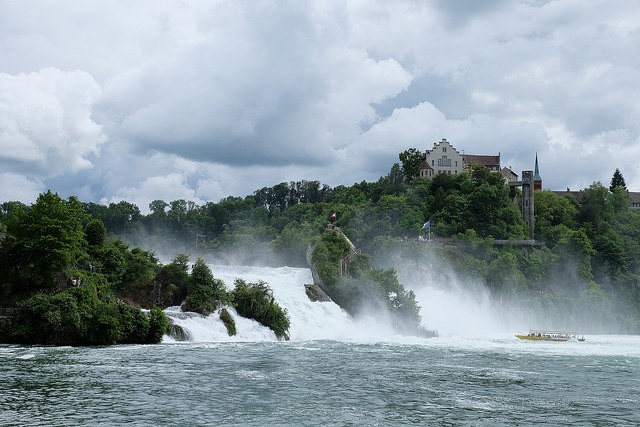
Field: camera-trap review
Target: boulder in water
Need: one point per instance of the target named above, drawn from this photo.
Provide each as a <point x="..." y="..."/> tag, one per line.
<point x="316" y="294"/>
<point x="177" y="333"/>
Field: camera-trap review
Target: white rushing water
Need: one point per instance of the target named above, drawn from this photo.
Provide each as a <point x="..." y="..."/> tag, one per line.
<point x="309" y="320"/>
<point x="464" y="317"/>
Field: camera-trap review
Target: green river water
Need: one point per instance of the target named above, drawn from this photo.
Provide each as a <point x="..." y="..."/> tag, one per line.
<point x="441" y="381"/>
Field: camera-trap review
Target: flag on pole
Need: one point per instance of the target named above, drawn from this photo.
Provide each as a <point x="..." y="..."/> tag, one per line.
<point x="427" y="225"/>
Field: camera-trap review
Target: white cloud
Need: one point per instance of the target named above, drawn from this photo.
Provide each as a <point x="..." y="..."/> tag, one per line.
<point x="205" y="99"/>
<point x="168" y="187"/>
<point x="19" y="188"/>
<point x="45" y="121"/>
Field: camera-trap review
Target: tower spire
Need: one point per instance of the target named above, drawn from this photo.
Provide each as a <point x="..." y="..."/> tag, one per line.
<point x="537" y="179"/>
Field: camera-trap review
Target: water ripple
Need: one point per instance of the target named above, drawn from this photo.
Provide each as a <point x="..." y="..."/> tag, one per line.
<point x="313" y="383"/>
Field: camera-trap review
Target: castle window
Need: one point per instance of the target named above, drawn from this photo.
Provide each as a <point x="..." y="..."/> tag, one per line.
<point x="444" y="162"/>
<point x="444" y="149"/>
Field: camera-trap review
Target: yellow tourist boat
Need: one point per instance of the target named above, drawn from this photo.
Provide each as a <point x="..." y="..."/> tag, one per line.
<point x="544" y="335"/>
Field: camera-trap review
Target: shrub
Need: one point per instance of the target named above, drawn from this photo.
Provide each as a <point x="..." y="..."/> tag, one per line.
<point x="204" y="293"/>
<point x="77" y="317"/>
<point x="158" y="325"/>
<point x="135" y="324"/>
<point x="255" y="301"/>
<point x="228" y="321"/>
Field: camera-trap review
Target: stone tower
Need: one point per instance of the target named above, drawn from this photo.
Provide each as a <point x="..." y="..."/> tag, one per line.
<point x="528" y="186"/>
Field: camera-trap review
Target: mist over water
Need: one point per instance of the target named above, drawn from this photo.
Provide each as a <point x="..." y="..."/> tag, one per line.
<point x="464" y="307"/>
<point x="454" y="305"/>
<point x="309" y="320"/>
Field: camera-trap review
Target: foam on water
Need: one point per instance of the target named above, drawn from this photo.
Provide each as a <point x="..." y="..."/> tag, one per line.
<point x="309" y="320"/>
<point x="465" y="320"/>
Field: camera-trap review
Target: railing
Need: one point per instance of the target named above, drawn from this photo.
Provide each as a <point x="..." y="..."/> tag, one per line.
<point x="344" y="262"/>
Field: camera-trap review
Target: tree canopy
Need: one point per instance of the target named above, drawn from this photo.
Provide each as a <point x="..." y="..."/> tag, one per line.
<point x="589" y="244"/>
<point x="617" y="181"/>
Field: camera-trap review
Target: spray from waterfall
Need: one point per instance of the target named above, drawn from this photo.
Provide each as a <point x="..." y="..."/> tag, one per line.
<point x="309" y="320"/>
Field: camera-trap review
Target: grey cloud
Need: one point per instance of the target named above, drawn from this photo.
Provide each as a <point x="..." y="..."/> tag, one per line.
<point x="271" y="96"/>
<point x="223" y="98"/>
<point x="459" y="12"/>
<point x="45" y="121"/>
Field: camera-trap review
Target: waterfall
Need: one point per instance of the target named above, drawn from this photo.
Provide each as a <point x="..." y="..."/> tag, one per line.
<point x="309" y="320"/>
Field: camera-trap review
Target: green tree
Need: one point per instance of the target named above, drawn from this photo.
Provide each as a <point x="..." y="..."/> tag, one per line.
<point x="538" y="267"/>
<point x="140" y="268"/>
<point x="95" y="232"/>
<point x="43" y="240"/>
<point x="575" y="251"/>
<point x="157" y="219"/>
<point x="504" y="273"/>
<point x="620" y="200"/>
<point x="173" y="279"/>
<point x="10" y="208"/>
<point x="120" y="217"/>
<point x="610" y="251"/>
<point x="595" y="207"/>
<point x="256" y="301"/>
<point x="617" y="181"/>
<point x="393" y="182"/>
<point x="411" y="160"/>
<point x="158" y="207"/>
<point x="110" y="259"/>
<point x="228" y="321"/>
<point x="552" y="210"/>
<point x="158" y="325"/>
<point x="204" y="292"/>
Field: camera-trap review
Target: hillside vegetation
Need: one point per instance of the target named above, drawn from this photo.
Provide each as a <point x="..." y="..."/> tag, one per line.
<point x="591" y="249"/>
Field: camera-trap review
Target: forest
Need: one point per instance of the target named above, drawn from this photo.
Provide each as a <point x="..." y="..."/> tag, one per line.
<point x="586" y="251"/>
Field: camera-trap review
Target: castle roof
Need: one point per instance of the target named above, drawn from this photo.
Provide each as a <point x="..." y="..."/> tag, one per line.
<point x="426" y="165"/>
<point x="473" y="159"/>
<point x="536" y="173"/>
<point x="490" y="162"/>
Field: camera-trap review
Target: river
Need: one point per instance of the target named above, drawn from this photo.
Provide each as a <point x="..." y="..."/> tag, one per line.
<point x="335" y="371"/>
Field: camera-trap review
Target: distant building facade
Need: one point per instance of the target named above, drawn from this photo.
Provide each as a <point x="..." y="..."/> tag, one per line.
<point x="509" y="175"/>
<point x="634" y="197"/>
<point x="444" y="158"/>
<point x="490" y="162"/>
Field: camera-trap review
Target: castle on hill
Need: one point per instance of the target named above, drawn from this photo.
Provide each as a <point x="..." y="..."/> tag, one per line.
<point x="444" y="158"/>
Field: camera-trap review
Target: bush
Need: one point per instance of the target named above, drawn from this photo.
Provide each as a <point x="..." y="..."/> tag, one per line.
<point x="158" y="325"/>
<point x="77" y="317"/>
<point x="328" y="250"/>
<point x="255" y="301"/>
<point x="204" y="293"/>
<point x="364" y="286"/>
<point x="228" y="321"/>
<point x="135" y="324"/>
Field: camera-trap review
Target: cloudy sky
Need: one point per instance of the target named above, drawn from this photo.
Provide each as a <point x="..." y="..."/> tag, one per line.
<point x="118" y="100"/>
